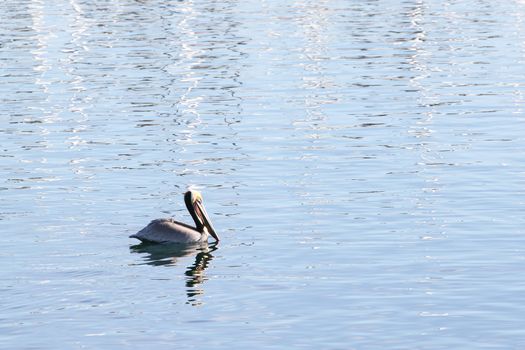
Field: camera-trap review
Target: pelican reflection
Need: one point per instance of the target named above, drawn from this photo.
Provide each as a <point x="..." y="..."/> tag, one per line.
<point x="170" y="254"/>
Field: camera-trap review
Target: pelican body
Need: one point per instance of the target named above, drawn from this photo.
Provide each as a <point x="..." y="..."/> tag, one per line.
<point x="171" y="231"/>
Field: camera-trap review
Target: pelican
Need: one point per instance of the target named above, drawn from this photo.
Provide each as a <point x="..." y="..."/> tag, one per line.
<point x="171" y="231"/>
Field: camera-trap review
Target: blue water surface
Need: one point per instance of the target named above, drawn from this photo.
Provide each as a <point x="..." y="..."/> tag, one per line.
<point x="362" y="161"/>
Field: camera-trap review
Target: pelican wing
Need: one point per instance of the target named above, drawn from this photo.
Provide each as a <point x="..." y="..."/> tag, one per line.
<point x="168" y="231"/>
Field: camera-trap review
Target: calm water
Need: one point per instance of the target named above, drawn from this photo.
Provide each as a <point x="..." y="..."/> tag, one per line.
<point x="363" y="162"/>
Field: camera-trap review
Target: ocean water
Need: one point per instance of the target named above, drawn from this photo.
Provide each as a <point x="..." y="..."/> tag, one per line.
<point x="362" y="161"/>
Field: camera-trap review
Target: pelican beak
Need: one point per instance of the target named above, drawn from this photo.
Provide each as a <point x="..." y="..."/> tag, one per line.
<point x="203" y="215"/>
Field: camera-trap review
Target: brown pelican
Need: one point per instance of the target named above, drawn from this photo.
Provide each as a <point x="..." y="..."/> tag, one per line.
<point x="171" y="231"/>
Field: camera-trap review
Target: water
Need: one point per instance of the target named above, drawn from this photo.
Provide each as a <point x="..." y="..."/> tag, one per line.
<point x="361" y="160"/>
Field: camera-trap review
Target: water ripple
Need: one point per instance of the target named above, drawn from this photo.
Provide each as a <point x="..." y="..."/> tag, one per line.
<point x="363" y="161"/>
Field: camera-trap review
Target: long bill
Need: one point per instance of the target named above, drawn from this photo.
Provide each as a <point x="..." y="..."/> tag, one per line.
<point x="201" y="212"/>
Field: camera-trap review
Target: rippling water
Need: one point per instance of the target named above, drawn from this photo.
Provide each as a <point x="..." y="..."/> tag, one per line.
<point x="362" y="161"/>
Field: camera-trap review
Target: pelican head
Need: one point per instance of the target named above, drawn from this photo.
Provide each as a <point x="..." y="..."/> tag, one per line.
<point x="193" y="200"/>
